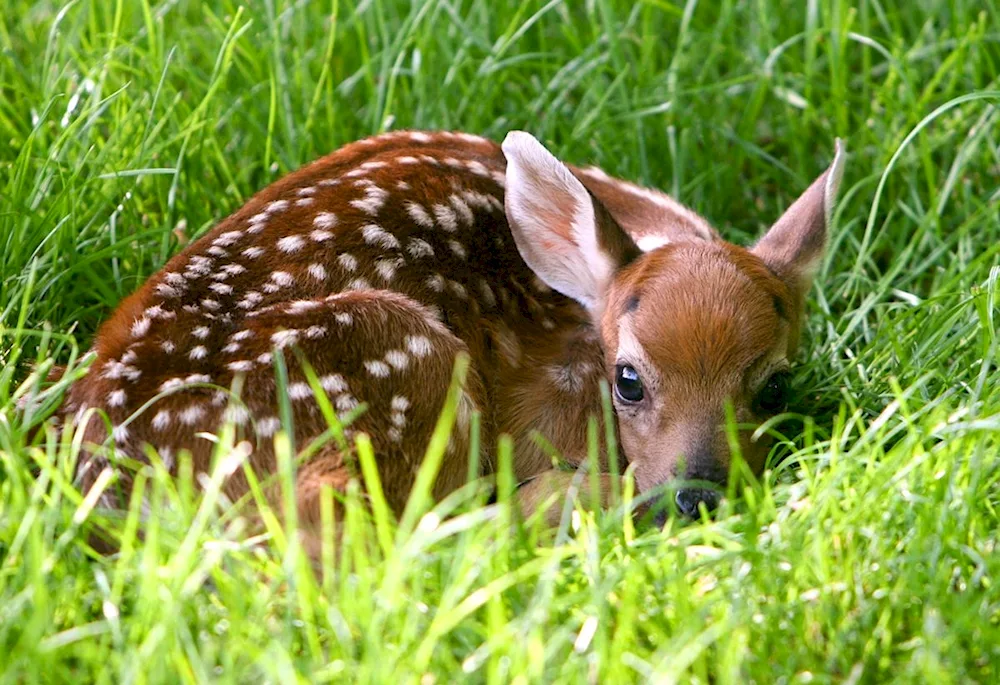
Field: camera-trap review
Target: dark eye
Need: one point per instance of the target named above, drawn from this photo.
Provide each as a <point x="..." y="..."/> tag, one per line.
<point x="773" y="397"/>
<point x="628" y="385"/>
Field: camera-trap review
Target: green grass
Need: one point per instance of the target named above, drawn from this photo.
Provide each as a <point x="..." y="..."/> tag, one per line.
<point x="868" y="555"/>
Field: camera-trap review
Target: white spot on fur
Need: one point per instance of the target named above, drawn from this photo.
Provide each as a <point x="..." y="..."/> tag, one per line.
<point x="282" y="278"/>
<point x="344" y="318"/>
<point x="325" y="220"/>
<point x="314" y="332"/>
<point x="199" y="352"/>
<point x="192" y="414"/>
<point x="171" y="384"/>
<point x="462" y="209"/>
<point x="304" y="202"/>
<point x="217" y="251"/>
<point x="120" y="433"/>
<point x="268" y="426"/>
<point x="386" y="268"/>
<point x="359" y="284"/>
<point x="140" y="327"/>
<point x="316" y="271"/>
<point x="333" y="383"/>
<point x="236" y="414"/>
<point x="419" y="215"/>
<point x="117" y="398"/>
<point x="211" y="305"/>
<point x="164" y="290"/>
<point x="345" y="403"/>
<point x="162" y="420"/>
<point x="231" y="348"/>
<point x="158" y="312"/>
<point x="221" y="288"/>
<point x="168" y="346"/>
<point x="320" y="235"/>
<point x="201" y="332"/>
<point x="457" y="248"/>
<point x="253" y="252"/>
<point x="347" y="261"/>
<point x="445" y="216"/>
<point x="377" y="368"/>
<point x="283" y="339"/>
<point x="374" y="234"/>
<point x="299" y="391"/>
<point x="276" y="206"/>
<point x="397" y="359"/>
<point x="372" y="201"/>
<point x="418" y="247"/>
<point x="228" y="238"/>
<point x="476" y="199"/>
<point x="419" y="345"/>
<point x="436" y="283"/>
<point x="301" y="306"/>
<point x="250" y="300"/>
<point x="241" y="366"/>
<point x="290" y="244"/>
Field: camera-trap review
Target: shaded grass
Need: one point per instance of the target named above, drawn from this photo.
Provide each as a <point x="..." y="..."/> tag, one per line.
<point x="868" y="556"/>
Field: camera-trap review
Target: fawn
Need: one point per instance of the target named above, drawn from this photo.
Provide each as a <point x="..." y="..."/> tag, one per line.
<point x="382" y="261"/>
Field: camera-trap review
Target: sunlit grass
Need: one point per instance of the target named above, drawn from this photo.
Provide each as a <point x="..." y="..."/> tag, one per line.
<point x="867" y="555"/>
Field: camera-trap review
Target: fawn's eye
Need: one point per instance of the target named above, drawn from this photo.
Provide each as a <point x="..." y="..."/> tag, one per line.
<point x="628" y="385"/>
<point x="773" y="397"/>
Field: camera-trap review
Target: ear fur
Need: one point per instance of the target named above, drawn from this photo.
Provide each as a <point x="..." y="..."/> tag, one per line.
<point x="563" y="233"/>
<point x="794" y="246"/>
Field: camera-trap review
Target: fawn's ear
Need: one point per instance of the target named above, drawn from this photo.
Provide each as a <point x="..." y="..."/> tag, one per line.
<point x="793" y="247"/>
<point x="563" y="233"/>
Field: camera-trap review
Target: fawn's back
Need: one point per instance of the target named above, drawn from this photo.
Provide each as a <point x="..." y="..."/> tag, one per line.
<point x="376" y="266"/>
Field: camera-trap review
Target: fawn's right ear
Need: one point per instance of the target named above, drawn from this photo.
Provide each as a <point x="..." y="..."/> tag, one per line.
<point x="562" y="232"/>
<point x="794" y="246"/>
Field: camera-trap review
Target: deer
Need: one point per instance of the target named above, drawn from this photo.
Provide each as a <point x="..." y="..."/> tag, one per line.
<point x="383" y="262"/>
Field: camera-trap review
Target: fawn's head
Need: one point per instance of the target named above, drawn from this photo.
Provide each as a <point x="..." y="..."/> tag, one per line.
<point x="686" y="327"/>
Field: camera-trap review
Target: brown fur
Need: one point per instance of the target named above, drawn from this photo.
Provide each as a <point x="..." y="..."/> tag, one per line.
<point x="709" y="314"/>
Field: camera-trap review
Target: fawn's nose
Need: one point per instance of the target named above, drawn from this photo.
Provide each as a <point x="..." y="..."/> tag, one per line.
<point x="688" y="499"/>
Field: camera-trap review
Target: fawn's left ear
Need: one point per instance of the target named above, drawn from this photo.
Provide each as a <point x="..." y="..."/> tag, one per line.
<point x="793" y="247"/>
<point x="563" y="233"/>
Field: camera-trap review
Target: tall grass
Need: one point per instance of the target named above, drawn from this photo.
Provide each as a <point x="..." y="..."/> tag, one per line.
<point x="867" y="555"/>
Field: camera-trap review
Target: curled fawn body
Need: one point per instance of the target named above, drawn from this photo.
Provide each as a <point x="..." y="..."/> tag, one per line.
<point x="381" y="262"/>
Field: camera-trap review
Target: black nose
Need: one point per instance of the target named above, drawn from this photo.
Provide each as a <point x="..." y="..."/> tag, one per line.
<point x="688" y="500"/>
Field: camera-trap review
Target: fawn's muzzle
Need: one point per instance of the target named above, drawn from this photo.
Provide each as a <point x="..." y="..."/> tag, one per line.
<point x="688" y="499"/>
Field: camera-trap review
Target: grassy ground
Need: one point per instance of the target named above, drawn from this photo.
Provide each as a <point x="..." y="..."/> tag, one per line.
<point x="868" y="556"/>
